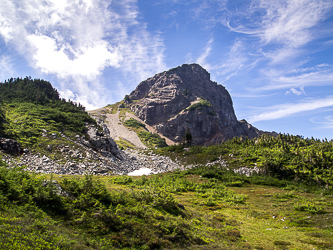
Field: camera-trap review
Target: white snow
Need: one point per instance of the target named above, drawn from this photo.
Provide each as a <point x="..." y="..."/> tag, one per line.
<point x="141" y="171"/>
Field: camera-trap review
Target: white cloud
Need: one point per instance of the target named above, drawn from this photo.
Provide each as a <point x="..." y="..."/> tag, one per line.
<point x="238" y="60"/>
<point x="77" y="40"/>
<point x="290" y="24"/>
<point x="284" y="110"/>
<point x="202" y="58"/>
<point x="327" y="123"/>
<point x="299" y="78"/>
<point x="87" y="61"/>
<point x="296" y="92"/>
<point x="246" y="95"/>
<point x="6" y="68"/>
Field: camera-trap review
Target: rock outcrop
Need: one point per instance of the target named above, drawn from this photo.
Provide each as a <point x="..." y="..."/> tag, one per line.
<point x="10" y="146"/>
<point x="186" y="97"/>
<point x="102" y="142"/>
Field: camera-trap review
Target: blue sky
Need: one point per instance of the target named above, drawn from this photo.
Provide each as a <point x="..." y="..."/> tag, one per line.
<point x="274" y="57"/>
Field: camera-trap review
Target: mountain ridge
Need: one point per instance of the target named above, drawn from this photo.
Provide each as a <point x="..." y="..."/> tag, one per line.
<point x="185" y="97"/>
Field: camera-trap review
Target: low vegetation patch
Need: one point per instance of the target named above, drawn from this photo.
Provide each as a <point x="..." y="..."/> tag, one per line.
<point x="285" y="160"/>
<point x="199" y="105"/>
<point x="132" y="123"/>
<point x="32" y="108"/>
<point x="179" y="210"/>
<point x="148" y="139"/>
<point x="151" y="140"/>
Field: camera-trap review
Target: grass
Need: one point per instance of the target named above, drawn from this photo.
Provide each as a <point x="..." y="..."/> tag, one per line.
<point x="179" y="210"/>
<point x="151" y="140"/>
<point x="132" y="123"/>
<point x="123" y="143"/>
<point x="199" y="105"/>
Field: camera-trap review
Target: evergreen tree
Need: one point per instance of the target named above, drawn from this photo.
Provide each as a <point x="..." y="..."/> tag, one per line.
<point x="188" y="136"/>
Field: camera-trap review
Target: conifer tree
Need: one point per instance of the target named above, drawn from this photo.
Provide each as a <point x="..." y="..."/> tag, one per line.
<point x="188" y="136"/>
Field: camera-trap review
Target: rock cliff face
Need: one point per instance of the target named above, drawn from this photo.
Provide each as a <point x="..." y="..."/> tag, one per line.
<point x="185" y="96"/>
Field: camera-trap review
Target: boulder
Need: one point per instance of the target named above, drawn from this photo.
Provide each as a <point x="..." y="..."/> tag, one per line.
<point x="10" y="146"/>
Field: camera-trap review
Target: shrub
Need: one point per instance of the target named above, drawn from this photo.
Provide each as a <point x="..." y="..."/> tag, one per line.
<point x="133" y="123"/>
<point x="199" y="105"/>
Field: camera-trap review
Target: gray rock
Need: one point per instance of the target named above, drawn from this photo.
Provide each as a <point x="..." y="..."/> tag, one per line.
<point x="10" y="146"/>
<point x="170" y="101"/>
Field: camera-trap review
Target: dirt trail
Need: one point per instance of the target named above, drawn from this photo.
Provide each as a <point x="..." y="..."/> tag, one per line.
<point x="118" y="130"/>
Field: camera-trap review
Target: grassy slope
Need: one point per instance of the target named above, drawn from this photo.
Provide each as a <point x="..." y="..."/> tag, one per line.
<point x="287" y="157"/>
<point x="33" y="114"/>
<point x="143" y="213"/>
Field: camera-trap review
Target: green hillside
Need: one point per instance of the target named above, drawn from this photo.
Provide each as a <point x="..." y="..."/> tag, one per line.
<point x="306" y="161"/>
<point x="31" y="106"/>
<point x="180" y="210"/>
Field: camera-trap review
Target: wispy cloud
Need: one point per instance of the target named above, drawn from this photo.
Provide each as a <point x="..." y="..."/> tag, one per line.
<point x="77" y="40"/>
<point x="6" y="68"/>
<point x="247" y="95"/>
<point x="284" y="110"/>
<point x="296" y="92"/>
<point x="202" y="58"/>
<point x="326" y="123"/>
<point x="238" y="60"/>
<point x="320" y="75"/>
<point x="290" y="24"/>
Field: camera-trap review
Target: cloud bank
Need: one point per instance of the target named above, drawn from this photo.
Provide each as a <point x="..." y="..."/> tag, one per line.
<point x="77" y="40"/>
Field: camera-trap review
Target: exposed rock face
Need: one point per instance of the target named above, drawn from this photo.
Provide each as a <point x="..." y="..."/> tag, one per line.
<point x="102" y="142"/>
<point x="10" y="146"/>
<point x="185" y="96"/>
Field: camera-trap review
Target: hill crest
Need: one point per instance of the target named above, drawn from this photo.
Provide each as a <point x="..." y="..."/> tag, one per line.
<point x="185" y="97"/>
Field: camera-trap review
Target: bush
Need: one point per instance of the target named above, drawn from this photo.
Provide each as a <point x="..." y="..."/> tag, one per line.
<point x="152" y="140"/>
<point x="199" y="105"/>
<point x="132" y="123"/>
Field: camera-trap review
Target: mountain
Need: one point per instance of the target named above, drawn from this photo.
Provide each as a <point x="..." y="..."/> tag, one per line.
<point x="185" y="97"/>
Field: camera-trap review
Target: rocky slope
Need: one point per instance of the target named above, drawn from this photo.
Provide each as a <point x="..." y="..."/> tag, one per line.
<point x="50" y="135"/>
<point x="98" y="155"/>
<point x="185" y="97"/>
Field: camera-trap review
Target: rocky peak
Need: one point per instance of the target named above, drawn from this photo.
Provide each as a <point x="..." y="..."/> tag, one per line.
<point x="185" y="96"/>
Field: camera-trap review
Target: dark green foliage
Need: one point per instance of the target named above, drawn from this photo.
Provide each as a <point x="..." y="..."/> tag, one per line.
<point x="188" y="136"/>
<point x="87" y="192"/>
<point x="127" y="99"/>
<point x="152" y="140"/>
<point x="121" y="180"/>
<point x="199" y="105"/>
<point x="144" y="219"/>
<point x="29" y="106"/>
<point x="35" y="91"/>
<point x="2" y="120"/>
<point x="310" y="207"/>
<point x="228" y="177"/>
<point x="209" y="191"/>
<point x="20" y="187"/>
<point x="283" y="160"/>
<point x="174" y="148"/>
<point x="133" y="123"/>
<point x="186" y="92"/>
<point x="28" y="90"/>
